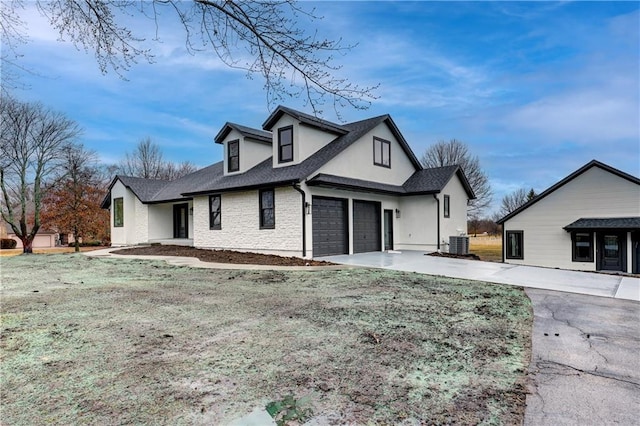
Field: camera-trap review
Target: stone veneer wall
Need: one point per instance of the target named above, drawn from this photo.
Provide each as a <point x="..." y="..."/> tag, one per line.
<point x="241" y="224"/>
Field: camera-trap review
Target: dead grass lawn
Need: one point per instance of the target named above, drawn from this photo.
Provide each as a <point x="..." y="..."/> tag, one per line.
<point x="488" y="248"/>
<point x="121" y="341"/>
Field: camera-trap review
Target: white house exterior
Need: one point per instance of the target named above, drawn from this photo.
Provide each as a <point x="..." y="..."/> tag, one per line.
<point x="589" y="221"/>
<point x="300" y="187"/>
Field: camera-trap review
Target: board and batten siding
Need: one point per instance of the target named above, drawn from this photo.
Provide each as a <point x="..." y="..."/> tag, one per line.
<point x="596" y="193"/>
<point x="456" y="223"/>
<point x="135" y="220"/>
<point x="240" y="223"/>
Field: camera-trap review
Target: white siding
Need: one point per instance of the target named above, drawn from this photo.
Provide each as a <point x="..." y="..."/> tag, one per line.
<point x="130" y="232"/>
<point x="456" y="223"/>
<point x="251" y="152"/>
<point x="357" y="160"/>
<point x="241" y="224"/>
<point x="594" y="194"/>
<point x="418" y="229"/>
<point x="160" y="221"/>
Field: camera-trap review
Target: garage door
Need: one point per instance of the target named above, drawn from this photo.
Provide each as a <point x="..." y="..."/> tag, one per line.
<point x="366" y="226"/>
<point x="330" y="231"/>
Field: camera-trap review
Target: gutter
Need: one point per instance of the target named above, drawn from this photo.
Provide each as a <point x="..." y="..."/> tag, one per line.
<point x="435" y="196"/>
<point x="296" y="186"/>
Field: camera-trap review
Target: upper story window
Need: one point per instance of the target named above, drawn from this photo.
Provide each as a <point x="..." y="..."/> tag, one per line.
<point x="285" y="144"/>
<point x="381" y="152"/>
<point x="267" y="209"/>
<point x="118" y="212"/>
<point x="215" y="212"/>
<point x="233" y="156"/>
<point x="447" y="206"/>
<point x="515" y="241"/>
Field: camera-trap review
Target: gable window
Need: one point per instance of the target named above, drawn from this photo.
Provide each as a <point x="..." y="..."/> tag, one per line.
<point x="285" y="144"/>
<point x="215" y="212"/>
<point x="267" y="209"/>
<point x="582" y="246"/>
<point x="381" y="152"/>
<point x="447" y="206"/>
<point x="118" y="212"/>
<point x="233" y="156"/>
<point x="515" y="240"/>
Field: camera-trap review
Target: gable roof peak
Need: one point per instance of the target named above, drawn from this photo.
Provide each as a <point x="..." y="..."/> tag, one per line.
<point x="304" y="118"/>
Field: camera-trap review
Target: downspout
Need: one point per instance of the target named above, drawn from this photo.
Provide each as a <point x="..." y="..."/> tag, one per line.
<point x="435" y="196"/>
<point x="296" y="186"/>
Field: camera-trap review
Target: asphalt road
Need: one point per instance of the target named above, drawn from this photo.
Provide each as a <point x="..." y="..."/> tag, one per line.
<point x="585" y="364"/>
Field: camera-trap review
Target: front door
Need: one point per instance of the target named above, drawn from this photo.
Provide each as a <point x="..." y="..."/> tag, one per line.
<point x="388" y="229"/>
<point x="611" y="251"/>
<point x="181" y="221"/>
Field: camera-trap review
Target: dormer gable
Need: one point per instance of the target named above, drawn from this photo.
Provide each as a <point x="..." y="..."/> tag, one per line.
<point x="244" y="147"/>
<point x="297" y="136"/>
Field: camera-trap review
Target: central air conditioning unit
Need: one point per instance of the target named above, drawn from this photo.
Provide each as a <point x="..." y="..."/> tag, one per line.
<point x="459" y="244"/>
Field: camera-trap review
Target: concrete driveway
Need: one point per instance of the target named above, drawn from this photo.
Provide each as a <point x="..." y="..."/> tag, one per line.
<point x="585" y="361"/>
<point x="595" y="284"/>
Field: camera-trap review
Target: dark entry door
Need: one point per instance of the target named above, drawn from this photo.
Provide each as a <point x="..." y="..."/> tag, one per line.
<point x="366" y="226"/>
<point x="611" y="251"/>
<point x="388" y="229"/>
<point x="330" y="231"/>
<point x="181" y="221"/>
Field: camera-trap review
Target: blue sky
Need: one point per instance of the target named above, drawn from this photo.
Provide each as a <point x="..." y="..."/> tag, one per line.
<point x="536" y="90"/>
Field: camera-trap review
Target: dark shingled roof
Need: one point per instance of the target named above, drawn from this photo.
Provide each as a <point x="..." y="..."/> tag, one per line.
<point x="245" y="131"/>
<point x="212" y="179"/>
<point x="424" y="181"/>
<point x="303" y="118"/>
<point x="605" y="223"/>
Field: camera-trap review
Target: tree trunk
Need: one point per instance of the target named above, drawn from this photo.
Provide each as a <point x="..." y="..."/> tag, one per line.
<point x="77" y="244"/>
<point x="27" y="245"/>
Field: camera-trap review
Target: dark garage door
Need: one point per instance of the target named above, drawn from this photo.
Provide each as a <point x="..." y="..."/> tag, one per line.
<point x="366" y="226"/>
<point x="330" y="231"/>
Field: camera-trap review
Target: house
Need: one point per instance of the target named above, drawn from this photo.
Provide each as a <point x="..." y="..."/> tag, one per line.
<point x="588" y="221"/>
<point x="300" y="186"/>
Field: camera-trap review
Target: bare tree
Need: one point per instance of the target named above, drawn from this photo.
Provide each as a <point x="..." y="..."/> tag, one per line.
<point x="456" y="152"/>
<point x="292" y="60"/>
<point x="516" y="199"/>
<point x="33" y="140"/>
<point x="146" y="161"/>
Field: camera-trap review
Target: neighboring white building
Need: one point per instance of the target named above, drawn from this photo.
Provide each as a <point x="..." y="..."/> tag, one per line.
<point x="588" y="221"/>
<point x="303" y="187"/>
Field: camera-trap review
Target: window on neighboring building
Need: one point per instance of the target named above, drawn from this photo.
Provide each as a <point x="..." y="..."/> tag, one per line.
<point x="285" y="144"/>
<point x="515" y="240"/>
<point x="215" y="212"/>
<point x="582" y="246"/>
<point x="267" y="209"/>
<point x="381" y="152"/>
<point x="447" y="206"/>
<point x="233" y="156"/>
<point x="118" y="212"/>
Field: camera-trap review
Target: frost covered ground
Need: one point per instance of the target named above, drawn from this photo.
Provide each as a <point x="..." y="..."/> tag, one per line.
<point x="112" y="341"/>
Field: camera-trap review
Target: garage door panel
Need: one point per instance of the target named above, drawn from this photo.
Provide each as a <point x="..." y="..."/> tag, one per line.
<point x="329" y="222"/>
<point x="366" y="226"/>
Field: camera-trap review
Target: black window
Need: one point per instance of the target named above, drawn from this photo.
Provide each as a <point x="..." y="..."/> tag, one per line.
<point x="267" y="209"/>
<point x="515" y="240"/>
<point x="118" y="212"/>
<point x="285" y="144"/>
<point x="582" y="247"/>
<point x="215" y="212"/>
<point x="447" y="205"/>
<point x="233" y="156"/>
<point x="381" y="152"/>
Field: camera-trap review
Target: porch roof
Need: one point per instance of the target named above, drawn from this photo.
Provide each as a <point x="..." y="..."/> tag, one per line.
<point x="622" y="223"/>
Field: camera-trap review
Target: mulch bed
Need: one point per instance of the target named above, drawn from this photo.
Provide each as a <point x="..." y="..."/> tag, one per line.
<point x="221" y="256"/>
<point x="469" y="256"/>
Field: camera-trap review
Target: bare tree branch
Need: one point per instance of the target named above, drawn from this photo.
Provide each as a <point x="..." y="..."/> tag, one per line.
<point x="456" y="152"/>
